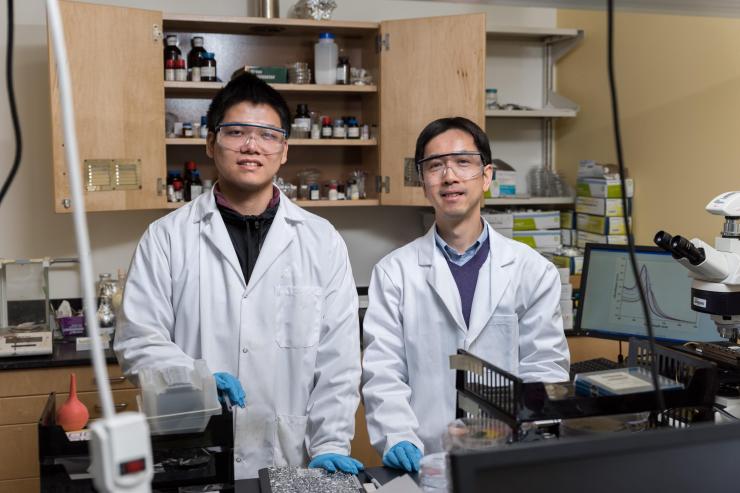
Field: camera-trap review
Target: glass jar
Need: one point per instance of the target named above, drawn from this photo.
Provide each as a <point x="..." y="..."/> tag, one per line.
<point x="491" y="99"/>
<point x="208" y="67"/>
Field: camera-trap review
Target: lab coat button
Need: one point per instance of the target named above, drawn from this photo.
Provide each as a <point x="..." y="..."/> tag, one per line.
<point x="238" y="459"/>
<point x="244" y="350"/>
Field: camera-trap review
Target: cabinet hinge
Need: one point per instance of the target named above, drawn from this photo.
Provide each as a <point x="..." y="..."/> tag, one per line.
<point x="382" y="41"/>
<point x="157" y="35"/>
<point x="383" y="184"/>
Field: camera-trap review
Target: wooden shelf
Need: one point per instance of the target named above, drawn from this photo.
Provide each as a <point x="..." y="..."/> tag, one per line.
<point x="203" y="89"/>
<point x="309" y="203"/>
<point x="536" y="113"/>
<point x="542" y="34"/>
<point x="185" y="141"/>
<point x="333" y="142"/>
<point x="531" y="201"/>
<point x="262" y="26"/>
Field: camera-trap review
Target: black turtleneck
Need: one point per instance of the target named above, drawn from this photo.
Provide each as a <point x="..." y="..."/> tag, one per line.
<point x="247" y="234"/>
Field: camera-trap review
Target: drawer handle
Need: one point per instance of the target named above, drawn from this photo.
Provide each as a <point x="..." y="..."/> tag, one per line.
<point x="120" y="379"/>
<point x="119" y="406"/>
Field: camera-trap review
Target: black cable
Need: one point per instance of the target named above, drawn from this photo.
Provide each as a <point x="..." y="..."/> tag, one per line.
<point x="630" y="240"/>
<point x="13" y="108"/>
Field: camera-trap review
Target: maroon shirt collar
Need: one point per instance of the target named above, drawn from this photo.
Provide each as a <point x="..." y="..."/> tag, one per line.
<point x="224" y="202"/>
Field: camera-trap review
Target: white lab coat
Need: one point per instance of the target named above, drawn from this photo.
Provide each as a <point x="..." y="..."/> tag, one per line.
<point x="291" y="336"/>
<point x="414" y="322"/>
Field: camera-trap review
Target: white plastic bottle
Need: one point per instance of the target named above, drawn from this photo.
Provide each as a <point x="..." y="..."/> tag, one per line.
<point x="325" y="59"/>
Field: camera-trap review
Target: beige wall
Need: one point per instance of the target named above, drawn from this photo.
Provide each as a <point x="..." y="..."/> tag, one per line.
<point x="678" y="80"/>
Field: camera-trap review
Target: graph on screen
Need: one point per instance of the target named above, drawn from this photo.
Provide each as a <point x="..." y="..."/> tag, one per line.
<point x="664" y="288"/>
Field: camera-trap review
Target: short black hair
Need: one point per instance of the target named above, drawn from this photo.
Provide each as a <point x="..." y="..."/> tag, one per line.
<point x="250" y="89"/>
<point x="454" y="123"/>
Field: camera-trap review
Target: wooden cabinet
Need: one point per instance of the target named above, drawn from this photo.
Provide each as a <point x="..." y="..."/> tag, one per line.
<point x="23" y="394"/>
<point x="423" y="69"/>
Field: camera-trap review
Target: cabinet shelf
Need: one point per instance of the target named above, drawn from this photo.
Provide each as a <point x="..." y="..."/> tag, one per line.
<point x="260" y="25"/>
<point x="203" y="89"/>
<point x="536" y="113"/>
<point x="185" y="141"/>
<point x="310" y="203"/>
<point x="543" y="34"/>
<point x="530" y="201"/>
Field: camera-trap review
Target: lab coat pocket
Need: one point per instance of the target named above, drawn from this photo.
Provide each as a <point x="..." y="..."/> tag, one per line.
<point x="290" y="439"/>
<point x="498" y="342"/>
<point x="298" y="318"/>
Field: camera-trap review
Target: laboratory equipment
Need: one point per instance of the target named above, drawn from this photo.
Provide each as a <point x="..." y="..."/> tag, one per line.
<point x="194" y="56"/>
<point x="325" y="59"/>
<point x="73" y="414"/>
<point x="610" y="307"/>
<point x="715" y="289"/>
<point x="121" y="454"/>
<point x="208" y="67"/>
<point x="178" y="399"/>
<point x="679" y="461"/>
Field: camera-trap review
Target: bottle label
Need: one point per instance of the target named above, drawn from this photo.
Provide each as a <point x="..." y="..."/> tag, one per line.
<point x="353" y="132"/>
<point x="209" y="72"/>
<point x="181" y="74"/>
<point x="304" y="123"/>
<point x="326" y="132"/>
<point x="169" y="74"/>
<point x="339" y="133"/>
<point x="195" y="74"/>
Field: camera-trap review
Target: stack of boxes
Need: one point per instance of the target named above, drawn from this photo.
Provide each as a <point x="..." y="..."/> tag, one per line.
<point x="538" y="229"/>
<point x="566" y="298"/>
<point x="600" y="217"/>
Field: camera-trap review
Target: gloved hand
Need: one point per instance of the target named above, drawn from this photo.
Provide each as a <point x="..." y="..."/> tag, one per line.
<point x="228" y="384"/>
<point x="335" y="462"/>
<point x="403" y="455"/>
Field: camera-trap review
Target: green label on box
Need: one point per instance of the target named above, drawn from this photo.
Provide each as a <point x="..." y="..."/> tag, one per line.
<point x="524" y="224"/>
<point x="527" y="240"/>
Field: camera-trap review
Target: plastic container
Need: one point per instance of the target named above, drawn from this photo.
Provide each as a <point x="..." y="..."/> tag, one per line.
<point x="491" y="99"/>
<point x="325" y="59"/>
<point x="178" y="399"/>
<point x="433" y="474"/>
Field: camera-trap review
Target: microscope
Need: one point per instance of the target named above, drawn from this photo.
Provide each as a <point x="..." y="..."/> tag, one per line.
<point x="715" y="289"/>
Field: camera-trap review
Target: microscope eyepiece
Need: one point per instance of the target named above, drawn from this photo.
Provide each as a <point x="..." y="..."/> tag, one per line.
<point x="663" y="240"/>
<point x="685" y="249"/>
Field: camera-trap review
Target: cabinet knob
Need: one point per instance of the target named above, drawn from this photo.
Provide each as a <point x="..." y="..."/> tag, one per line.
<point x="120" y="379"/>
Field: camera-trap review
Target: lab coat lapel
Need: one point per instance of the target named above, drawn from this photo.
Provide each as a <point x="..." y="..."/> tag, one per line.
<point x="440" y="279"/>
<point x="493" y="281"/>
<point x="213" y="230"/>
<point x="278" y="238"/>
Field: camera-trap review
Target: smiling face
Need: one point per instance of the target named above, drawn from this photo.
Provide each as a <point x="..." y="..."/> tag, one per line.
<point x="247" y="169"/>
<point x="454" y="198"/>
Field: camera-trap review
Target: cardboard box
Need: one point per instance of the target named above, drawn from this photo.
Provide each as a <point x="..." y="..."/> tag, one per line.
<point x="568" y="219"/>
<point x="603" y="188"/>
<point x="591" y="169"/>
<point x="566" y="292"/>
<point x="572" y="262"/>
<point x="500" y="220"/>
<point x="504" y="180"/>
<point x="584" y="237"/>
<point x="566" y="308"/>
<point x="602" y="207"/>
<point x="546" y="239"/>
<point x="531" y="221"/>
<point x="601" y="225"/>
<point x="272" y="75"/>
<point x="568" y="237"/>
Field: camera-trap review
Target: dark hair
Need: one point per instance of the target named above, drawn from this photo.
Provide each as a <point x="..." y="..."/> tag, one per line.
<point x="250" y="89"/>
<point x="455" y="123"/>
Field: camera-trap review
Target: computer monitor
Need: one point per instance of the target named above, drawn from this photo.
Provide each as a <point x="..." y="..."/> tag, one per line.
<point x="610" y="300"/>
<point x="700" y="458"/>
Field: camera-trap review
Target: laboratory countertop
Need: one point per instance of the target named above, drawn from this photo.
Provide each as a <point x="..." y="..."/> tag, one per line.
<point x="64" y="354"/>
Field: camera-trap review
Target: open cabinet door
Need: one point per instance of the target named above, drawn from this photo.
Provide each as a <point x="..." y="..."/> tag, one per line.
<point x="429" y="68"/>
<point x="115" y="58"/>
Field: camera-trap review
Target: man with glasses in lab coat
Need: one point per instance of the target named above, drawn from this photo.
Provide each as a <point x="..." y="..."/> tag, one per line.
<point x="462" y="285"/>
<point x="259" y="288"/>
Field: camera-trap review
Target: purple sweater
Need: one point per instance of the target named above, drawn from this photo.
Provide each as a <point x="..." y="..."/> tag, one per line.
<point x="466" y="277"/>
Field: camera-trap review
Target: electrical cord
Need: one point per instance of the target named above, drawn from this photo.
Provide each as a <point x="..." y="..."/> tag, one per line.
<point x="13" y="108"/>
<point x="630" y="241"/>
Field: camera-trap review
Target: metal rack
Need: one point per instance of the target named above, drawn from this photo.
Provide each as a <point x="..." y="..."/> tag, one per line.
<point x="486" y="391"/>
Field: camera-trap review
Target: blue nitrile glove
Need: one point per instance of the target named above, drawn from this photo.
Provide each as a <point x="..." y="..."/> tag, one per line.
<point x="336" y="462"/>
<point x="226" y="383"/>
<point x="403" y="455"/>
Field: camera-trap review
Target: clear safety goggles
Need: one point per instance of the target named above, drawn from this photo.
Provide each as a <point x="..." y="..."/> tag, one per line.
<point x="466" y="165"/>
<point x="235" y="136"/>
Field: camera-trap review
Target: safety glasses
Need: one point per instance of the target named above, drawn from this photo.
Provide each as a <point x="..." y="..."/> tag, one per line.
<point x="466" y="165"/>
<point x="235" y="136"/>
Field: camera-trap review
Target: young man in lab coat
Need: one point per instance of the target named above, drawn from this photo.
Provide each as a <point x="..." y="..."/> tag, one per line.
<point x="462" y="285"/>
<point x="259" y="288"/>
